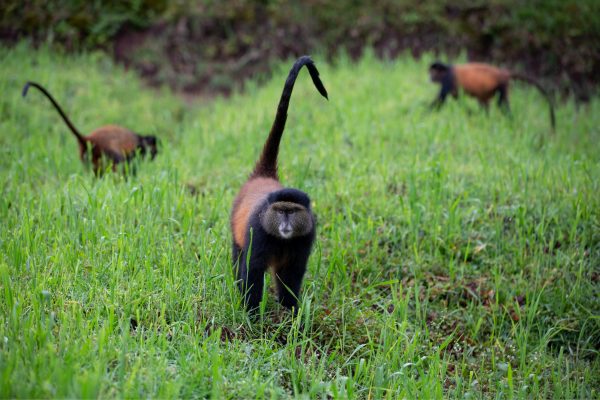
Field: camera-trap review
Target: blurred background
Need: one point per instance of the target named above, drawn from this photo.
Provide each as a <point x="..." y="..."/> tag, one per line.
<point x="209" y="47"/>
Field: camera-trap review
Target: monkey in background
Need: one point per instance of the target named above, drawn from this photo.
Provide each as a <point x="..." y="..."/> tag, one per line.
<point x="273" y="227"/>
<point x="112" y="142"/>
<point x="482" y="81"/>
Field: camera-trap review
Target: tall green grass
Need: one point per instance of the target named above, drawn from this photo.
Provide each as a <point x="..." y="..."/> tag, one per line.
<point x="457" y="253"/>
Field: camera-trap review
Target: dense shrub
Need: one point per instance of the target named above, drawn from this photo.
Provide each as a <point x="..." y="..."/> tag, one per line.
<point x="209" y="44"/>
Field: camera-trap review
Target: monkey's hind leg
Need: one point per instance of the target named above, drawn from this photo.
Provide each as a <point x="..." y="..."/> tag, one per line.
<point x="486" y="106"/>
<point x="239" y="269"/>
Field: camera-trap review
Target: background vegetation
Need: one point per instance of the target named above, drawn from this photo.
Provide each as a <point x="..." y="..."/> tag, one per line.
<point x="457" y="254"/>
<point x="211" y="46"/>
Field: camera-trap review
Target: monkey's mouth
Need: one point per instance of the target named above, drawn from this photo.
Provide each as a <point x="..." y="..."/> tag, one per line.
<point x="285" y="231"/>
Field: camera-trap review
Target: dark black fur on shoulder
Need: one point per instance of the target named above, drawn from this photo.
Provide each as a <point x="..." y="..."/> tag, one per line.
<point x="267" y="164"/>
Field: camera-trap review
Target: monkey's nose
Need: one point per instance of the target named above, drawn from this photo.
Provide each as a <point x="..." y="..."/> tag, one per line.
<point x="285" y="230"/>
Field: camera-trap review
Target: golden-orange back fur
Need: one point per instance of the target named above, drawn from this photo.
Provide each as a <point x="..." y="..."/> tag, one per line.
<point x="250" y="196"/>
<point x="114" y="138"/>
<point x="480" y="80"/>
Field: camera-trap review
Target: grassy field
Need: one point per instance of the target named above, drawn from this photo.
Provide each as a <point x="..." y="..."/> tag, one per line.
<point x="457" y="254"/>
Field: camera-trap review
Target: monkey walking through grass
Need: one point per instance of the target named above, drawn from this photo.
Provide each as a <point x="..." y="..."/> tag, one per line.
<point x="273" y="227"/>
<point x="111" y="142"/>
<point x="482" y="81"/>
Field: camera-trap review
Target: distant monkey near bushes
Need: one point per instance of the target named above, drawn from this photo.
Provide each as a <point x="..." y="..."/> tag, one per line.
<point x="109" y="142"/>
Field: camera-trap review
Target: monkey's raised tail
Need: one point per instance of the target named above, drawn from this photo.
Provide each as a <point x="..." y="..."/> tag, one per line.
<point x="267" y="164"/>
<point x="77" y="134"/>
<point x="524" y="78"/>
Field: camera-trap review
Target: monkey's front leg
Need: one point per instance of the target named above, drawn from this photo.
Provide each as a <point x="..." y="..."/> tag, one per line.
<point x="289" y="281"/>
<point x="252" y="281"/>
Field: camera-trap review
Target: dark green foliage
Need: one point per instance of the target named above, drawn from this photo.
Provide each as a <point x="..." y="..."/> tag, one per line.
<point x="76" y="24"/>
<point x="207" y="46"/>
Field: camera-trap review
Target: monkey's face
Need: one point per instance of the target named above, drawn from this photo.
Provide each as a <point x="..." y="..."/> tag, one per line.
<point x="287" y="220"/>
<point x="437" y="71"/>
<point x="150" y="144"/>
<point x="434" y="75"/>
